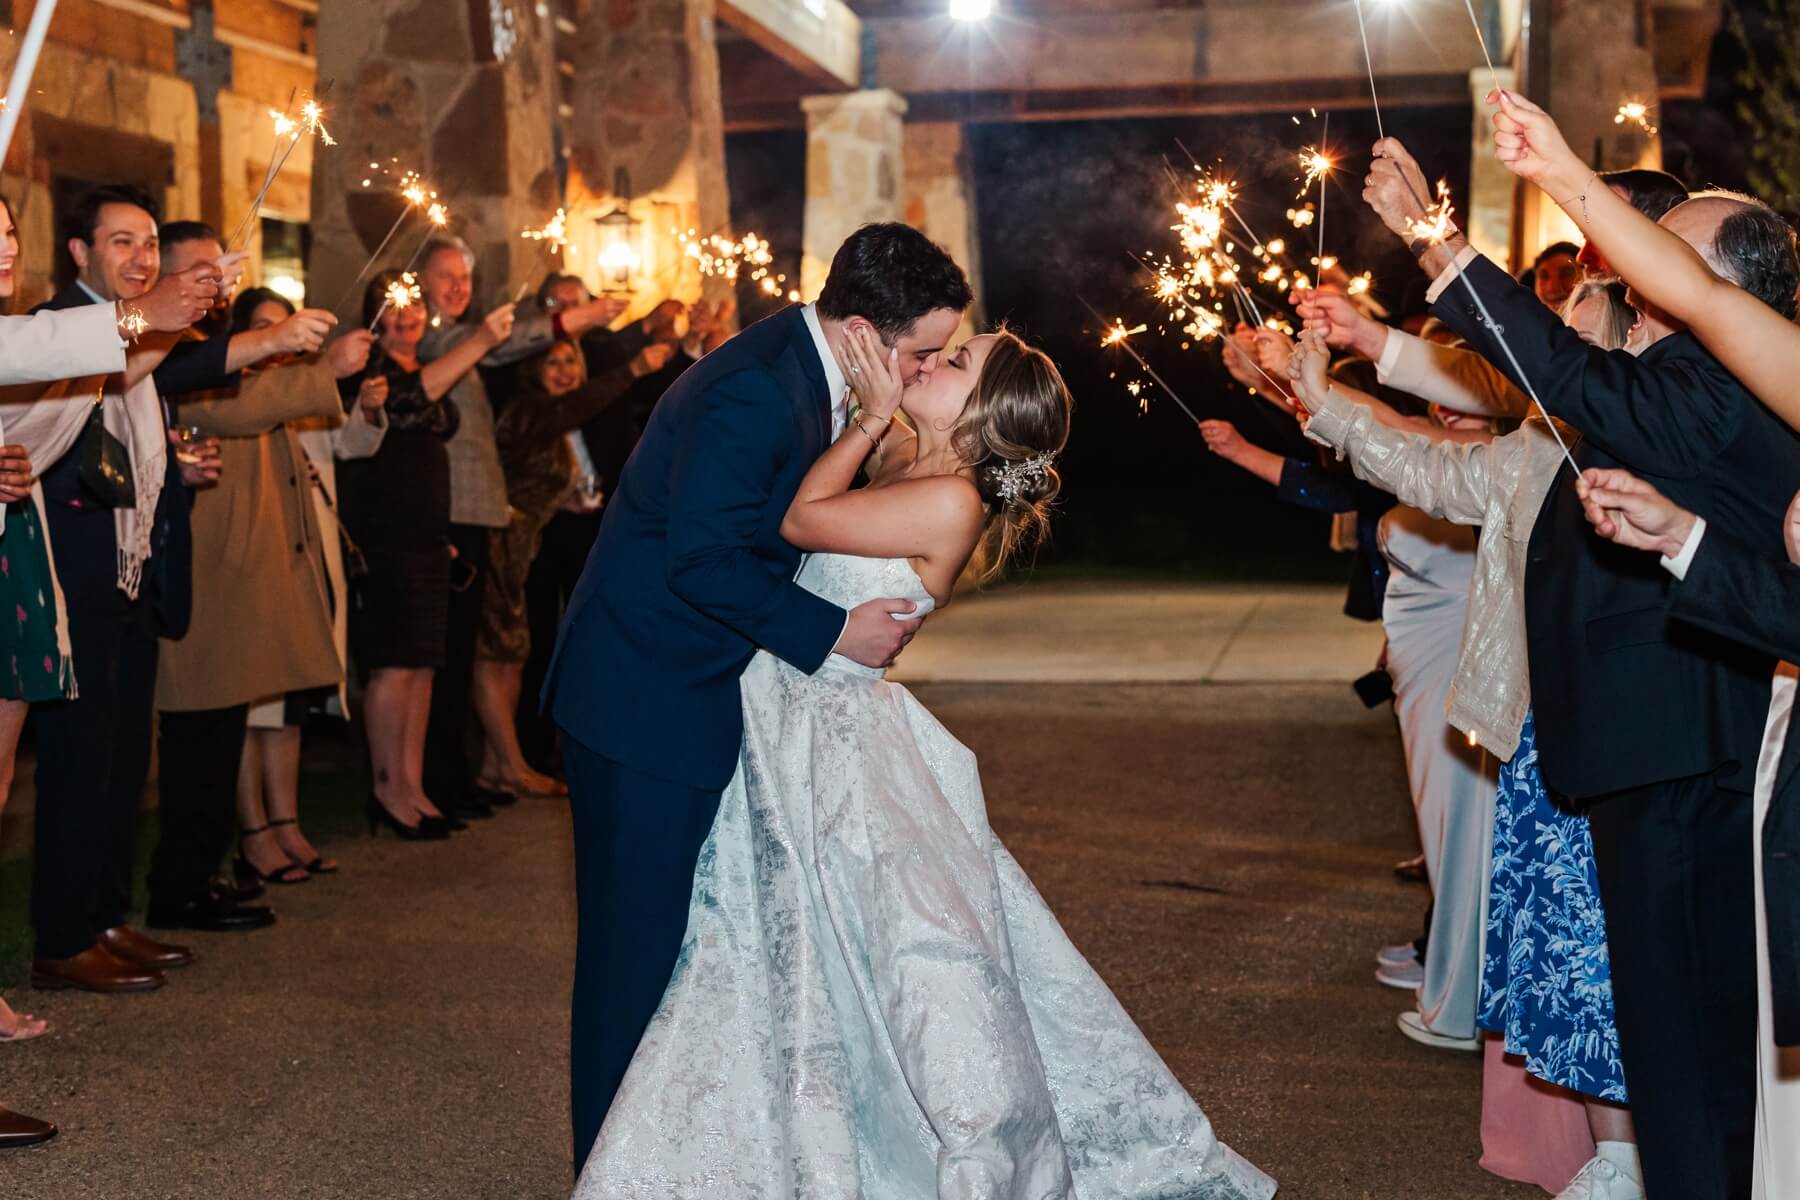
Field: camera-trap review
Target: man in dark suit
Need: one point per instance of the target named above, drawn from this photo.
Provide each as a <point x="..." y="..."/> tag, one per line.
<point x="1752" y="597"/>
<point x="1651" y="727"/>
<point x="688" y="579"/>
<point x="94" y="750"/>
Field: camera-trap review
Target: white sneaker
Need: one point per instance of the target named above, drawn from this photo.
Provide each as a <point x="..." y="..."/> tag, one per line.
<point x="1406" y="976"/>
<point x="1397" y="955"/>
<point x="1414" y="1027"/>
<point x="1600" y="1180"/>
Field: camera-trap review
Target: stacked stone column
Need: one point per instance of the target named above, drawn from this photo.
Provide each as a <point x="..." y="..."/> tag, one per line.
<point x="855" y="173"/>
<point x="444" y="88"/>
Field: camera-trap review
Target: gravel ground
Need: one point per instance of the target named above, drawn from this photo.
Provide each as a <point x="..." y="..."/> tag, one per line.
<point x="1221" y="853"/>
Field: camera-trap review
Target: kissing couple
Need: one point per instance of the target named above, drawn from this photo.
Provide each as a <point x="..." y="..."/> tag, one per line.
<point x="806" y="967"/>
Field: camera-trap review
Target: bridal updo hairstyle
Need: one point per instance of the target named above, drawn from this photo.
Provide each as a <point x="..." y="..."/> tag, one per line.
<point x="891" y="275"/>
<point x="1012" y="429"/>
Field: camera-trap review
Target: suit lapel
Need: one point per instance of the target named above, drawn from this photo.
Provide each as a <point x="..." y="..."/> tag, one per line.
<point x="814" y="370"/>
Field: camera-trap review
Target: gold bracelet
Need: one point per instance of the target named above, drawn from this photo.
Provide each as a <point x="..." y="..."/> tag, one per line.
<point x="873" y="440"/>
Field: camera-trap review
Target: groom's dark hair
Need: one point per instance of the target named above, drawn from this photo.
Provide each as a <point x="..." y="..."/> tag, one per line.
<point x="891" y="275"/>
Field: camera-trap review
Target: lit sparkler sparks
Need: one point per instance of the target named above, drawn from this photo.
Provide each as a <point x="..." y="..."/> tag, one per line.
<point x="555" y="232"/>
<point x="1118" y="335"/>
<point x="290" y="131"/>
<point x="312" y="121"/>
<point x="1317" y="165"/>
<point x="750" y="256"/>
<point x="414" y="191"/>
<point x="1435" y="225"/>
<point x="402" y="293"/>
<point x="1637" y="113"/>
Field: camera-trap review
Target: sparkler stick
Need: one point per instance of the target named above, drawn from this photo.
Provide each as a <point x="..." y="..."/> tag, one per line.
<point x="415" y="193"/>
<point x="1482" y="39"/>
<point x="24" y="67"/>
<point x="1119" y="337"/>
<point x="311" y="122"/>
<point x="1369" y="61"/>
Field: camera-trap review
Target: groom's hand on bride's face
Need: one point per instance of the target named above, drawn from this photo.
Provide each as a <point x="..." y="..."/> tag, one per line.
<point x="876" y="633"/>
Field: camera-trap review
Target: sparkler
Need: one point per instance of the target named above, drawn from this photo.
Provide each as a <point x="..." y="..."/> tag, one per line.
<point x="1637" y="113"/>
<point x="1119" y="336"/>
<point x="416" y="195"/>
<point x="311" y="123"/>
<point x="403" y="292"/>
<point x="1317" y="166"/>
<point x="1369" y="61"/>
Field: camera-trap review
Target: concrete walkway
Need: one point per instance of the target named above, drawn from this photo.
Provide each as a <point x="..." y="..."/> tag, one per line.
<point x="1144" y="633"/>
<point x="1220" y="853"/>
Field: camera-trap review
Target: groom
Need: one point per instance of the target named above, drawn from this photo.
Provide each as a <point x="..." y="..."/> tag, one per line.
<point x="688" y="579"/>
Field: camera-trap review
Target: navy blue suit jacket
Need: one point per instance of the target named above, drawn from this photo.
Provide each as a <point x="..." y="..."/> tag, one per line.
<point x="1624" y="698"/>
<point x="689" y="576"/>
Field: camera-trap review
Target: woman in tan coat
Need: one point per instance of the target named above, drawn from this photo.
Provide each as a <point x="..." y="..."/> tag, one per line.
<point x="262" y="617"/>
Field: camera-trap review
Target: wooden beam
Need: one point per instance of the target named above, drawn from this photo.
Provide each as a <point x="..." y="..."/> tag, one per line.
<point x="821" y="39"/>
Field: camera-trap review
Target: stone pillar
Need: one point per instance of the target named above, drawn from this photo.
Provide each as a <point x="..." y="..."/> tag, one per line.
<point x="459" y="90"/>
<point x="940" y="199"/>
<point x="647" y="101"/>
<point x="1487" y="213"/>
<point x="855" y="168"/>
<point x="1600" y="58"/>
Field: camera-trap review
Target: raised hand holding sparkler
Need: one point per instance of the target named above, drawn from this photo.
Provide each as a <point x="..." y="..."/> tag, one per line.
<point x="1395" y="189"/>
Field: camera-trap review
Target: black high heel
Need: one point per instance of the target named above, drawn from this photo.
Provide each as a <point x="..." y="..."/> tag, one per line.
<point x="246" y="870"/>
<point x="316" y="866"/>
<point x="380" y="818"/>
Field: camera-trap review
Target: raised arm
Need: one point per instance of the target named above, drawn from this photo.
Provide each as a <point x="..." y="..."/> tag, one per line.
<point x="1307" y="372"/>
<point x="1756" y="343"/>
<point x="936" y="519"/>
<point x="728" y="455"/>
<point x="266" y="400"/>
<point x="441" y="374"/>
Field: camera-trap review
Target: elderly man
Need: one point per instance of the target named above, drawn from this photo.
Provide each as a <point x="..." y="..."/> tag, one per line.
<point x="1653" y="729"/>
<point x="477" y="506"/>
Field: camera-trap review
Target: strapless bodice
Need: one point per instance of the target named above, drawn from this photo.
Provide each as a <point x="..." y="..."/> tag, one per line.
<point x="848" y="581"/>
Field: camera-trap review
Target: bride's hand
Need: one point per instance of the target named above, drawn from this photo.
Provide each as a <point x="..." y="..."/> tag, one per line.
<point x="874" y="373"/>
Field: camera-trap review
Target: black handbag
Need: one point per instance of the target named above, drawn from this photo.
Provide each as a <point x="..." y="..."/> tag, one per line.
<point x="104" y="464"/>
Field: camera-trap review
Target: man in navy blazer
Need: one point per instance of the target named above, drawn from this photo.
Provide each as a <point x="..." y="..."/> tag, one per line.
<point x="688" y="578"/>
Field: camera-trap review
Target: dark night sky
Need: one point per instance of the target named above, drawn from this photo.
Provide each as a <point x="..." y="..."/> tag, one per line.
<point x="1062" y="206"/>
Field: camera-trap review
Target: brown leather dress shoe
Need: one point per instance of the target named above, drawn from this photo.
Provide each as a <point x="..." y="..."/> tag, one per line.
<point x="18" y="1130"/>
<point x="94" y="970"/>
<point x="129" y="946"/>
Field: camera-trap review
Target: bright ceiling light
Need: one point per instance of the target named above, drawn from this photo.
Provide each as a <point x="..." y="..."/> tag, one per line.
<point x="971" y="10"/>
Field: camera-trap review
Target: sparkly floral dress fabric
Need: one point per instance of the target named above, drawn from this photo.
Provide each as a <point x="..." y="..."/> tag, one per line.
<point x="872" y="1001"/>
<point x="33" y="668"/>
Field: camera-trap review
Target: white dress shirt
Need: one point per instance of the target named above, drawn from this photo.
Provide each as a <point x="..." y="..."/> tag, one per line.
<point x="836" y="386"/>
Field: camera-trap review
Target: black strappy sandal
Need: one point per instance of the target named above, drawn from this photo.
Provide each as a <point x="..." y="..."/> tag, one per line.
<point x="283" y="875"/>
<point x="317" y="866"/>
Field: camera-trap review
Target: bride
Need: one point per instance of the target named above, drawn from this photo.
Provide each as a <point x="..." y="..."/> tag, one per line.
<point x="871" y="999"/>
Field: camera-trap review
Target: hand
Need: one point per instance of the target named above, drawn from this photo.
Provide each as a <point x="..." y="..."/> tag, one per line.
<point x="1625" y="509"/>
<point x="231" y="272"/>
<point x="301" y="333"/>
<point x="652" y="358"/>
<point x="1307" y="370"/>
<point x="1528" y="143"/>
<point x="372" y="395"/>
<point x="179" y="300"/>
<point x="874" y="373"/>
<point x="350" y="353"/>
<point x="1344" y="325"/>
<point x="665" y="321"/>
<point x="15" y="473"/>
<point x="1240" y="356"/>
<point x="604" y="310"/>
<point x="1395" y="187"/>
<point x="874" y="636"/>
<point x="497" y="326"/>
<point x="206" y="466"/>
<point x="1223" y="439"/>
<point x="1273" y="350"/>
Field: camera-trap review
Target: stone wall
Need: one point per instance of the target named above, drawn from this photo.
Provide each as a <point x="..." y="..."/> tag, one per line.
<point x="940" y="199"/>
<point x="855" y="173"/>
<point x="422" y="85"/>
<point x="646" y="101"/>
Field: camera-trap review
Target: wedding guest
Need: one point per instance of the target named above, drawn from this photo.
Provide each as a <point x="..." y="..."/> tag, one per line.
<point x="1727" y="588"/>
<point x="1545" y="969"/>
<point x="1652" y="193"/>
<point x="396" y="507"/>
<point x="260" y="614"/>
<point x="269" y="774"/>
<point x="477" y="503"/>
<point x="255" y="605"/>
<point x="117" y="525"/>
<point x="541" y="475"/>
<point x="1665" y="776"/>
<point x="1555" y="272"/>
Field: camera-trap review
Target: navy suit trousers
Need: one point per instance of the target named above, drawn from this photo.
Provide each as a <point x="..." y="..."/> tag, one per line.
<point x="637" y="840"/>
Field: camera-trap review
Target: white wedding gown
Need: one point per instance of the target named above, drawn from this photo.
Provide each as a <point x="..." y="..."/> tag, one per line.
<point x="872" y="1001"/>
